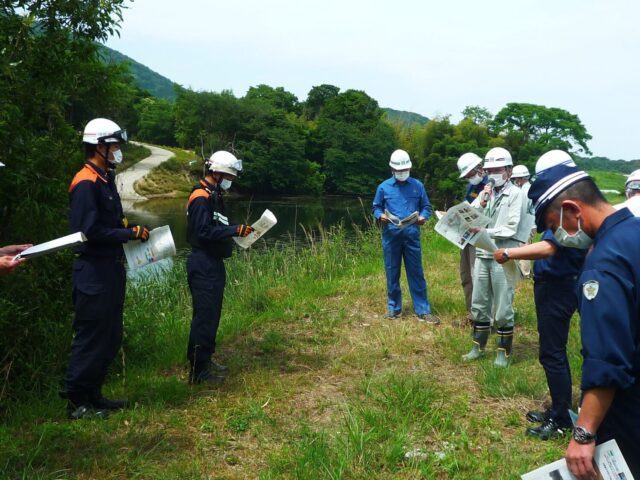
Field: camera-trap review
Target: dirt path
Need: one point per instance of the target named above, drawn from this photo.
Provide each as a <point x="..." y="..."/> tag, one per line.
<point x="127" y="179"/>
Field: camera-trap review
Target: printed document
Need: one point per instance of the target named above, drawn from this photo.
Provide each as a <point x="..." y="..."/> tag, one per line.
<point x="52" y="246"/>
<point x="260" y="227"/>
<point x="159" y="246"/>
<point x="402" y="223"/>
<point x="463" y="224"/>
<point x="608" y="460"/>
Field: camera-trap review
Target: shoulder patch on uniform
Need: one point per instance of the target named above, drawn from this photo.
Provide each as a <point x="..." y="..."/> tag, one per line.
<point x="197" y="193"/>
<point x="590" y="289"/>
<point x="86" y="174"/>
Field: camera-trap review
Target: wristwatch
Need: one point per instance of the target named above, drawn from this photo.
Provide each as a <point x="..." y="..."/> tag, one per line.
<point x="583" y="436"/>
<point x="505" y="254"/>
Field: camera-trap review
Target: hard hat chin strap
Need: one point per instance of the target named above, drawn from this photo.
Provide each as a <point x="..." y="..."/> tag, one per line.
<point x="105" y="155"/>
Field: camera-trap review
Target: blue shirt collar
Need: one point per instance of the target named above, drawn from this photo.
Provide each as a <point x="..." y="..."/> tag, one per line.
<point x="611" y="221"/>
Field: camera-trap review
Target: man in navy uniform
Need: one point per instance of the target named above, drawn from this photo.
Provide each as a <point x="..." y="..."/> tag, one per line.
<point x="209" y="233"/>
<point x="569" y="203"/>
<point x="470" y="168"/>
<point x="98" y="270"/>
<point x="555" y="272"/>
<point x="401" y="195"/>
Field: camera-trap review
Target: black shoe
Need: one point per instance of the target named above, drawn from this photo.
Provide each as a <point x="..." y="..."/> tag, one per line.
<point x="98" y="402"/>
<point x="85" y="411"/>
<point x="536" y="416"/>
<point x="205" y="376"/>
<point x="549" y="429"/>
<point x="79" y="406"/>
<point x="218" y="367"/>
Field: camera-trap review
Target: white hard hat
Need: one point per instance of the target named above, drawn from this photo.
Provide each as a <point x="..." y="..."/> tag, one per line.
<point x="468" y="162"/>
<point x="1" y="164"/>
<point x="224" y="162"/>
<point x="633" y="181"/>
<point x="520" y="171"/>
<point x="497" y="157"/>
<point x="553" y="158"/>
<point x="400" y="160"/>
<point x="102" y="130"/>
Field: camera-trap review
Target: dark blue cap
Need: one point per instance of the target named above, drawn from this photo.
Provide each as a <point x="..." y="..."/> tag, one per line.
<point x="548" y="185"/>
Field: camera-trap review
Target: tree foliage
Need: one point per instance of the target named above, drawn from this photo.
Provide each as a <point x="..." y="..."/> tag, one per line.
<point x="51" y="83"/>
<point x="531" y="130"/>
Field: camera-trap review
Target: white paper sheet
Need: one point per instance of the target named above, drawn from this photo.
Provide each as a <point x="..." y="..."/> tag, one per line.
<point x="607" y="457"/>
<point x="463" y="224"/>
<point x="160" y="245"/>
<point x="52" y="246"/>
<point x="260" y="227"/>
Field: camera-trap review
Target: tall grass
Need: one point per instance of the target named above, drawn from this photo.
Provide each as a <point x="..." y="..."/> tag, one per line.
<point x="321" y="386"/>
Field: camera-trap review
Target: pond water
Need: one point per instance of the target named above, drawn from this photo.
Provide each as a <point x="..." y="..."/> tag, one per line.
<point x="297" y="217"/>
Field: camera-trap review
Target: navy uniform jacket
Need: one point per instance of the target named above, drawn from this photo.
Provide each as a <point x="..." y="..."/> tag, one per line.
<point x="564" y="264"/>
<point x="609" y="304"/>
<point x="474" y="190"/>
<point x="208" y="228"/>
<point x="401" y="199"/>
<point x="96" y="211"/>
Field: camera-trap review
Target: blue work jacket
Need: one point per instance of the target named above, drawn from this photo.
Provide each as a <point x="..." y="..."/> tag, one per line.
<point x="401" y="199"/>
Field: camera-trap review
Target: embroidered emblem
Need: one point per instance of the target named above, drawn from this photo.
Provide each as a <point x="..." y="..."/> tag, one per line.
<point x="590" y="289"/>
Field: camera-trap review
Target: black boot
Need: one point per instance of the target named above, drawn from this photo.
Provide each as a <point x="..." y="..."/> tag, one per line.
<point x="79" y="407"/>
<point x="99" y="402"/>
<point x="480" y="337"/>
<point x="505" y="342"/>
<point x="218" y="367"/>
<point x="204" y="373"/>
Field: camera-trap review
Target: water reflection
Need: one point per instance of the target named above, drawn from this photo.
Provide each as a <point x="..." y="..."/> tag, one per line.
<point x="296" y="216"/>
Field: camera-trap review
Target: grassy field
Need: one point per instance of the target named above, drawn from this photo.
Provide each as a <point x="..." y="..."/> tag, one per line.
<point x="610" y="181"/>
<point x="321" y="386"/>
<point x="173" y="177"/>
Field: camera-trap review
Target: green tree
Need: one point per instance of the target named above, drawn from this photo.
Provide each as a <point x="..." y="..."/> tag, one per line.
<point x="51" y="83"/>
<point x="477" y="114"/>
<point x="530" y="130"/>
<point x="277" y="98"/>
<point x="356" y="143"/>
<point x="208" y="121"/>
<point x="316" y="99"/>
<point x="157" y="123"/>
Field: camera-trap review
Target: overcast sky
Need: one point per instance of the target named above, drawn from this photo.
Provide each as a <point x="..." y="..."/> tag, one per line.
<point x="429" y="57"/>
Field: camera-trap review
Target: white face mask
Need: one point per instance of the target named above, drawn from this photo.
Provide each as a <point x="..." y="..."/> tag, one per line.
<point x="578" y="240"/>
<point x="498" y="179"/>
<point x="225" y="184"/>
<point x="401" y="176"/>
<point x="475" y="180"/>
<point x="117" y="157"/>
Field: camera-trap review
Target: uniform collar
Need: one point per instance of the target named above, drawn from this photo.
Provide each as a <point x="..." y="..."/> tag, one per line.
<point x="102" y="175"/>
<point x="611" y="221"/>
<point x="208" y="186"/>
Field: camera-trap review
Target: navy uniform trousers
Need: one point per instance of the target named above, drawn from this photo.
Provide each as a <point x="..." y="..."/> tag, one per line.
<point x="207" y="277"/>
<point x="98" y="296"/>
<point x="556" y="302"/>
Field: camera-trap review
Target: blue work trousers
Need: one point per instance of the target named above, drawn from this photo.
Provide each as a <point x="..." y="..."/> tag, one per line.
<point x="98" y="296"/>
<point x="396" y="246"/>
<point x="207" y="278"/>
<point x="556" y="302"/>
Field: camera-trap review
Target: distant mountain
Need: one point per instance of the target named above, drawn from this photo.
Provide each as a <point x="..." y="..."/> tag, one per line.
<point x="145" y="78"/>
<point x="608" y="165"/>
<point x="407" y="119"/>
